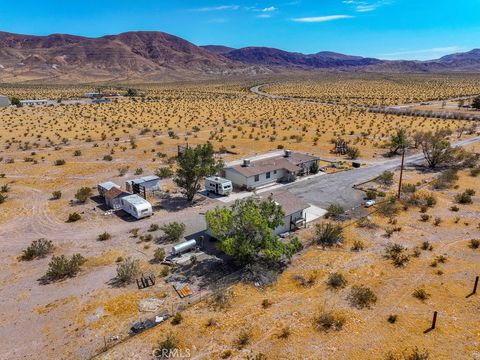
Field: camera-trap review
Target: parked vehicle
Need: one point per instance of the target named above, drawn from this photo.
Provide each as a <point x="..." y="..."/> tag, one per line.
<point x="218" y="185"/>
<point x="136" y="206"/>
<point x="369" y="203"/>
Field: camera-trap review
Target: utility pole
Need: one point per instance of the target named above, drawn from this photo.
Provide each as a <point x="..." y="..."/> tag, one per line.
<point x="401" y="173"/>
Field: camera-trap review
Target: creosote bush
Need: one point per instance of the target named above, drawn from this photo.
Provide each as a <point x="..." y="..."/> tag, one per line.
<point x="73" y="217"/>
<point x="127" y="270"/>
<point x="362" y="297"/>
<point x="474" y="244"/>
<point x="61" y="267"/>
<point x="327" y="321"/>
<point x="328" y="234"/>
<point x="420" y="294"/>
<point x="173" y="231"/>
<point x="37" y="249"/>
<point x="104" y="236"/>
<point x="336" y="281"/>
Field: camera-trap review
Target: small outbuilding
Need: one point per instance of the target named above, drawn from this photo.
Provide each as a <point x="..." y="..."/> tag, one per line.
<point x="114" y="196"/>
<point x="4" y="101"/>
<point x="136" y="206"/>
<point x="106" y="186"/>
<point x="149" y="183"/>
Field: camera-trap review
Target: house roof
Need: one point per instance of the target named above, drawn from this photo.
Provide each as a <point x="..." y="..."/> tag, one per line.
<point x="115" y="192"/>
<point x="108" y="185"/>
<point x="291" y="163"/>
<point x="289" y="202"/>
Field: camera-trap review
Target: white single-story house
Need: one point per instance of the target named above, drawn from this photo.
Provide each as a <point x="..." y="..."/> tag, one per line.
<point x="137" y="206"/>
<point x="114" y="196"/>
<point x="106" y="186"/>
<point x="150" y="183"/>
<point x="294" y="209"/>
<point x="286" y="168"/>
<point x="4" y="101"/>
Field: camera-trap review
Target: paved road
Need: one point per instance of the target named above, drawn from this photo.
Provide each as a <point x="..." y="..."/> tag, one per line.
<point x="338" y="188"/>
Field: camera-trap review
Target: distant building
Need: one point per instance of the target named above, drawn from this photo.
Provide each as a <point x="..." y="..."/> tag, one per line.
<point x="253" y="174"/>
<point x="4" y="101"/>
<point x="33" y="102"/>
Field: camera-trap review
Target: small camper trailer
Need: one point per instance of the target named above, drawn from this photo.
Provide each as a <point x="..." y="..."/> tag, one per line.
<point x="136" y="206"/>
<point x="218" y="185"/>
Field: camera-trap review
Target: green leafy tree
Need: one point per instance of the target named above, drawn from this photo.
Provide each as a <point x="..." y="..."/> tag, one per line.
<point x="437" y="150"/>
<point x="398" y="141"/>
<point x="245" y="231"/>
<point x="15" y="101"/>
<point x="193" y="165"/>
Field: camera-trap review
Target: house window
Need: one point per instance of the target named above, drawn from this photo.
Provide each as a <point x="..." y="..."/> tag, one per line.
<point x="268" y="175"/>
<point x="257" y="178"/>
<point x="275" y="172"/>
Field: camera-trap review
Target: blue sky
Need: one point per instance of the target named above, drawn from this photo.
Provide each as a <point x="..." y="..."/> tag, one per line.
<point x="389" y="29"/>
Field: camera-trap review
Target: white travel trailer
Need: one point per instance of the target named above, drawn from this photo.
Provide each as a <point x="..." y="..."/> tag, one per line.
<point x="184" y="247"/>
<point x="136" y="206"/>
<point x="218" y="185"/>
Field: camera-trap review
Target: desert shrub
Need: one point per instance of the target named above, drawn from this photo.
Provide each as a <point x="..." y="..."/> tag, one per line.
<point x="56" y="195"/>
<point x="128" y="270"/>
<point x="388" y="208"/>
<point x="327" y="321"/>
<point x="336" y="281"/>
<point x="414" y="354"/>
<point x="353" y="152"/>
<point x="3" y="198"/>
<point x="104" y="236"/>
<point x="333" y="211"/>
<point x="371" y="194"/>
<point x="470" y="192"/>
<point x="177" y="319"/>
<point x="153" y="227"/>
<point x="146" y="237"/>
<point x="122" y="171"/>
<point x="420" y="294"/>
<point x="362" y="297"/>
<point x="427" y="246"/>
<point x="357" y="245"/>
<point x="244" y="338"/>
<point x="365" y="222"/>
<point x="396" y="253"/>
<point x="409" y="188"/>
<point x="446" y="179"/>
<point x="454" y="208"/>
<point x="306" y="282"/>
<point x="314" y="168"/>
<point x="285" y="333"/>
<point x="425" y="217"/>
<point x="386" y="178"/>
<point x="266" y="303"/>
<point x="108" y="157"/>
<point x="59" y="162"/>
<point x="72" y="217"/>
<point x="77" y="153"/>
<point x="61" y="267"/>
<point x="37" y="249"/>
<point x="83" y="194"/>
<point x="392" y="318"/>
<point x="221" y="298"/>
<point x="173" y="231"/>
<point x="159" y="254"/>
<point x="475" y="172"/>
<point x="328" y="234"/>
<point x="437" y="221"/>
<point x="463" y="198"/>
<point x="164" y="172"/>
<point x="166" y="348"/>
<point x="474" y="244"/>
<point x="165" y="271"/>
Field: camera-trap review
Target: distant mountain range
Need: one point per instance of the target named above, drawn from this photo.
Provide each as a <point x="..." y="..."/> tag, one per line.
<point x="157" y="56"/>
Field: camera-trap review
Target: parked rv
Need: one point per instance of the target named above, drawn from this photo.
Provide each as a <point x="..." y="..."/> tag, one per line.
<point x="136" y="206"/>
<point x="218" y="185"/>
<point x="184" y="247"/>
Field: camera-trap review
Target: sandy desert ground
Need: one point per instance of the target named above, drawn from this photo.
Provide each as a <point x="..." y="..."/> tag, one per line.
<point x="75" y="318"/>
